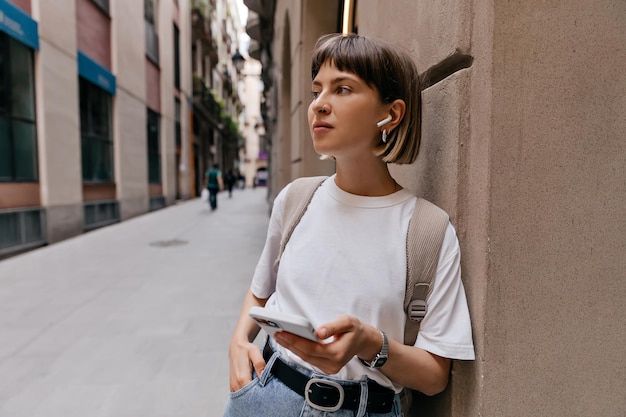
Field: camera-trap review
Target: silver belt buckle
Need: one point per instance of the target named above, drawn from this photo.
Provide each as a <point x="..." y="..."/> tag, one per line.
<point x="333" y="384"/>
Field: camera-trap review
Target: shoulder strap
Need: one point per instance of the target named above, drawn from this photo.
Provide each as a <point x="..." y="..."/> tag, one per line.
<point x="297" y="199"/>
<point x="427" y="228"/>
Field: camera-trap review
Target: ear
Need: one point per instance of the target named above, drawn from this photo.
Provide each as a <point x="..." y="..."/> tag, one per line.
<point x="397" y="111"/>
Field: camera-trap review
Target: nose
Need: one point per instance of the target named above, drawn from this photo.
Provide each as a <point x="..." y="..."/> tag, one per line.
<point x="319" y="105"/>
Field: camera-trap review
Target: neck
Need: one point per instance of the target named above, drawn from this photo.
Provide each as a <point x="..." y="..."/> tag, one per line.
<point x="370" y="180"/>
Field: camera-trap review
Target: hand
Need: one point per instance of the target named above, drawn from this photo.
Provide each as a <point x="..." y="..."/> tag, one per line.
<point x="350" y="337"/>
<point x="244" y="357"/>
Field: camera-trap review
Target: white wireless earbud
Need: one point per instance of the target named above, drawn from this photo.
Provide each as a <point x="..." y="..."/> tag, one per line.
<point x="384" y="121"/>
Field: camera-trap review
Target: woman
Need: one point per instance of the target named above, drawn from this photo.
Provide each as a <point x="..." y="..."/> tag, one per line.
<point x="344" y="268"/>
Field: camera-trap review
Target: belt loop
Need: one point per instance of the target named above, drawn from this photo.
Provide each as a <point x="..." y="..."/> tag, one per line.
<point x="268" y="366"/>
<point x="363" y="400"/>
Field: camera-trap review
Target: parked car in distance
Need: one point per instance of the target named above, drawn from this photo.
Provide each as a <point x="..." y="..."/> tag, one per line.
<point x="260" y="179"/>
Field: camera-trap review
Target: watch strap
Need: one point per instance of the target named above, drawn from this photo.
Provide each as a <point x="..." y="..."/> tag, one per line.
<point x="381" y="357"/>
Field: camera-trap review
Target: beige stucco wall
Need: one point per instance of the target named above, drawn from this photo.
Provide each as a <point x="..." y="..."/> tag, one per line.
<point x="129" y="108"/>
<point x="58" y="130"/>
<point x="558" y="202"/>
<point x="166" y="64"/>
<point x="184" y="27"/>
<point x="525" y="149"/>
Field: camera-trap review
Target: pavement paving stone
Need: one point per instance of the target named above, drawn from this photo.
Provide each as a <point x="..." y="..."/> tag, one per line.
<point x="133" y="319"/>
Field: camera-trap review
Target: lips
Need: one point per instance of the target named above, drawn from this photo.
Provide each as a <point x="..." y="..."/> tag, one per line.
<point x="321" y="127"/>
<point x="322" y="124"/>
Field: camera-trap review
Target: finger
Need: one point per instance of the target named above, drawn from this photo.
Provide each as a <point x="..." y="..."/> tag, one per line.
<point x="327" y="358"/>
<point x="258" y="363"/>
<point x="341" y="324"/>
<point x="323" y="355"/>
<point x="298" y="345"/>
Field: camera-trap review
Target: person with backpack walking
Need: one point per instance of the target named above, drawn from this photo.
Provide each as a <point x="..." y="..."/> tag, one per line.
<point x="214" y="183"/>
<point x="342" y="254"/>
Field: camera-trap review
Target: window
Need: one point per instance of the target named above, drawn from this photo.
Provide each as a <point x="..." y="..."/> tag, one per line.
<point x="152" y="40"/>
<point x="95" y="132"/>
<point x="154" y="152"/>
<point x="148" y="11"/>
<point x="176" y="57"/>
<point x="18" y="133"/>
<point x="101" y="213"/>
<point x="21" y="229"/>
<point x="102" y="5"/>
<point x="178" y="130"/>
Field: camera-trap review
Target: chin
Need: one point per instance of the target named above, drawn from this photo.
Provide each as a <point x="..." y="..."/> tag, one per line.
<point x="319" y="148"/>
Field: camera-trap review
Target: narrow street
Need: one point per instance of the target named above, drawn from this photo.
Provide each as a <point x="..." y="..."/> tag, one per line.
<point x="132" y="320"/>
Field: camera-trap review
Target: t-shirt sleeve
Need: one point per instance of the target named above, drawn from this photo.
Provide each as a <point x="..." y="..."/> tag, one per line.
<point x="446" y="329"/>
<point x="264" y="279"/>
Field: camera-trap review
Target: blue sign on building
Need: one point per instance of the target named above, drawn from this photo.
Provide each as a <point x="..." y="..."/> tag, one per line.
<point x="96" y="73"/>
<point x="18" y="25"/>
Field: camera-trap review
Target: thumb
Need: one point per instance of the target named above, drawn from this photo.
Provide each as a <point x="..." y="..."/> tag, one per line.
<point x="341" y="324"/>
<point x="258" y="363"/>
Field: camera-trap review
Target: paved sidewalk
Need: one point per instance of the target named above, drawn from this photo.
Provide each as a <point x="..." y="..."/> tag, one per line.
<point x="132" y="320"/>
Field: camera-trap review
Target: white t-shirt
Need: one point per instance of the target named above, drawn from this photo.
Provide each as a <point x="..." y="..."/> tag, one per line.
<point x="348" y="256"/>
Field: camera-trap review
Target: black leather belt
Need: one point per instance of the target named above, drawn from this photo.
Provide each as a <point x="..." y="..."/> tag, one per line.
<point x="327" y="395"/>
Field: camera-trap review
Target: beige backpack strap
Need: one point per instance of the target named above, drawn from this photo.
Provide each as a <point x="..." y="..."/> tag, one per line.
<point x="297" y="199"/>
<point x="427" y="228"/>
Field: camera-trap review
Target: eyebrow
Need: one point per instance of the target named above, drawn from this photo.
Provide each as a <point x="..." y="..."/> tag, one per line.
<point x="336" y="80"/>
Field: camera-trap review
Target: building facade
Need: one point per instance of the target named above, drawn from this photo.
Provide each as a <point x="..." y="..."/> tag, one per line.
<point x="253" y="158"/>
<point x="110" y="109"/>
<point x="216" y="103"/>
<point x="523" y="146"/>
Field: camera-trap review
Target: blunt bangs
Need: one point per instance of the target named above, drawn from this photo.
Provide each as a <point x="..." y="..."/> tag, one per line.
<point x="365" y="57"/>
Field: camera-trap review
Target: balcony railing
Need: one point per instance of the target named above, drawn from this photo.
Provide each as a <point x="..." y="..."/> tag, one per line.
<point x="205" y="97"/>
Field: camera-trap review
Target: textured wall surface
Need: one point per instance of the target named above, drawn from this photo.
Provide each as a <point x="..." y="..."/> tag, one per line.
<point x="58" y="128"/>
<point x="554" y="304"/>
<point x="131" y="101"/>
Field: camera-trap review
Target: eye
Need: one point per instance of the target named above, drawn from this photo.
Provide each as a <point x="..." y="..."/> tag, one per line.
<point x="343" y="90"/>
<point x="315" y="94"/>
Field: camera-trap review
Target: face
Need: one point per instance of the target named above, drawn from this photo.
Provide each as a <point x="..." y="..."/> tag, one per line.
<point x="343" y="114"/>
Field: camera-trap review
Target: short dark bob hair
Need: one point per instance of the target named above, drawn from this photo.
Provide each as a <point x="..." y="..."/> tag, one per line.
<point x="391" y="72"/>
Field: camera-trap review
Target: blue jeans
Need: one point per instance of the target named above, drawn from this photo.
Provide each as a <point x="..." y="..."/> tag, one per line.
<point x="213" y="197"/>
<point x="267" y="396"/>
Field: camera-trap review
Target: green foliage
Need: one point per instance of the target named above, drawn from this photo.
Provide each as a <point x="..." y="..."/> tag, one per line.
<point x="203" y="6"/>
<point x="230" y="127"/>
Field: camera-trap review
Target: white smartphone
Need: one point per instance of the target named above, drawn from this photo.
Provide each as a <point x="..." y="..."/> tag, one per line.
<point x="274" y="321"/>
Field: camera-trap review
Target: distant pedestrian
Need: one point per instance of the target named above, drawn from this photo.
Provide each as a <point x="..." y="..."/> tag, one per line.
<point x="214" y="183"/>
<point x="229" y="182"/>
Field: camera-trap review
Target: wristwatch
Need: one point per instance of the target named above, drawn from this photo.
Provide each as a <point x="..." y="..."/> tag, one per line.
<point x="381" y="357"/>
